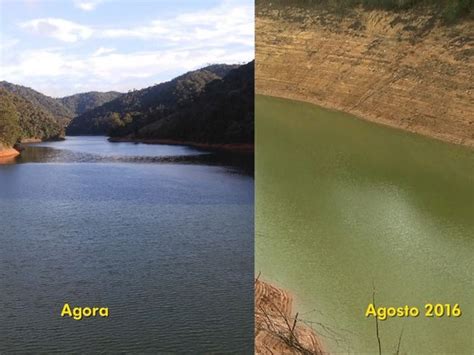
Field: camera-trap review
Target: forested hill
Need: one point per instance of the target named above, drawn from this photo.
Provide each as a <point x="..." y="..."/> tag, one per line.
<point x="47" y="104"/>
<point x="144" y="106"/>
<point x="222" y="114"/>
<point x="21" y="120"/>
<point x="61" y="109"/>
<point x="80" y="103"/>
<point x="27" y="114"/>
<point x="214" y="104"/>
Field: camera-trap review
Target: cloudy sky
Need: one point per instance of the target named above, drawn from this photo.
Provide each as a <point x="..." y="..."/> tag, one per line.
<point x="62" y="47"/>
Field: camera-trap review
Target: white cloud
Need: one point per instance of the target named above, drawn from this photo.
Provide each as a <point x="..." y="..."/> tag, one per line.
<point x="225" y="24"/>
<point x="87" y="5"/>
<point x="58" y="73"/>
<point x="7" y="42"/>
<point x="60" y="29"/>
<point x="171" y="46"/>
<point x="103" y="50"/>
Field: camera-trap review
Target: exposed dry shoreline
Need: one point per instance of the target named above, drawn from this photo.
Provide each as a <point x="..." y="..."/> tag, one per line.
<point x="30" y="140"/>
<point x="234" y="148"/>
<point x="8" y="153"/>
<point x="277" y="329"/>
<point x="406" y="70"/>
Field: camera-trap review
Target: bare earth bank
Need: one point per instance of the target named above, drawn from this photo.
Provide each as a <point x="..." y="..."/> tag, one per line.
<point x="277" y="328"/>
<point x="406" y="70"/>
<point x="8" y="152"/>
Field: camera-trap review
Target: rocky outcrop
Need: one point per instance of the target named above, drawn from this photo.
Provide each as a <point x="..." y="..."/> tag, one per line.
<point x="403" y="69"/>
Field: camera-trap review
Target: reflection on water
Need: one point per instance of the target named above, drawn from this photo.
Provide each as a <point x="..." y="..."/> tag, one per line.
<point x="100" y="145"/>
<point x="7" y="160"/>
<point x="99" y="150"/>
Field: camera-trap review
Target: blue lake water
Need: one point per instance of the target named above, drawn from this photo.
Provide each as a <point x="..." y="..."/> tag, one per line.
<point x="167" y="246"/>
<point x="100" y="145"/>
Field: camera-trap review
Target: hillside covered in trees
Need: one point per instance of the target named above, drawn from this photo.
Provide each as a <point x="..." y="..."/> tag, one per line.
<point x="61" y="109"/>
<point x="80" y="103"/>
<point x="47" y="104"/>
<point x="21" y="120"/>
<point x="9" y="120"/>
<point x="223" y="113"/>
<point x="27" y="114"/>
<point x="212" y="105"/>
<point x="141" y="107"/>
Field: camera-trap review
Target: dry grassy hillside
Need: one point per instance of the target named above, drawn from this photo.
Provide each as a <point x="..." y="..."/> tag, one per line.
<point x="405" y="69"/>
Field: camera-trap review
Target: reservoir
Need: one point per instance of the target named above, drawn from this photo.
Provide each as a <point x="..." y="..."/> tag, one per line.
<point x="345" y="207"/>
<point x="161" y="235"/>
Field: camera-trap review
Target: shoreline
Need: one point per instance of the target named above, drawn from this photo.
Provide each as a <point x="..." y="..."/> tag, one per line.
<point x="38" y="140"/>
<point x="241" y="148"/>
<point x="277" y="328"/>
<point x="446" y="138"/>
<point x="7" y="153"/>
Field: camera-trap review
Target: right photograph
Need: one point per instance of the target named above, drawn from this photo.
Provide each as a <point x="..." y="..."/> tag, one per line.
<point x="364" y="177"/>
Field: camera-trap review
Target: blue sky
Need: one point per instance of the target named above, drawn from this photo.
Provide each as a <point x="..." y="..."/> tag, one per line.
<point x="62" y="47"/>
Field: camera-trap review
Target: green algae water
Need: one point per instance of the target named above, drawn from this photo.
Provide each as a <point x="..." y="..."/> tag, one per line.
<point x="344" y="206"/>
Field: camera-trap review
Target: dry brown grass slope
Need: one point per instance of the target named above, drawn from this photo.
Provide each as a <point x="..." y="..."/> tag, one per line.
<point x="405" y="69"/>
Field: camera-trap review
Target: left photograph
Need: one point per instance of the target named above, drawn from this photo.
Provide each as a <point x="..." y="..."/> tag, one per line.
<point x="126" y="176"/>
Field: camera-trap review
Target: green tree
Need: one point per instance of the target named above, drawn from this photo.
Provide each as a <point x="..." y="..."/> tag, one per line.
<point x="9" y="121"/>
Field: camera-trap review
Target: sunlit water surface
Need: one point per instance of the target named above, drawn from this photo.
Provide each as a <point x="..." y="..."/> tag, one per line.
<point x="344" y="205"/>
<point x="162" y="235"/>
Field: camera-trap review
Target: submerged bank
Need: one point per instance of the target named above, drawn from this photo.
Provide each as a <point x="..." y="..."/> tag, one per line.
<point x="277" y="328"/>
<point x="403" y="69"/>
